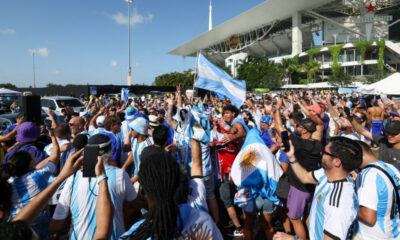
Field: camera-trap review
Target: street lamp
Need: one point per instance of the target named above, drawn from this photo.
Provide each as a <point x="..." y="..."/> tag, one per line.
<point x="129" y="79"/>
<point x="34" y="72"/>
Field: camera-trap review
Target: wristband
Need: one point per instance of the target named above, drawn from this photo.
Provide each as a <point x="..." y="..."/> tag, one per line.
<point x="101" y="178"/>
<point x="295" y="161"/>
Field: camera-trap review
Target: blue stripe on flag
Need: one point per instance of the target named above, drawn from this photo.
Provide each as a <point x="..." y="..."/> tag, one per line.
<point x="212" y="78"/>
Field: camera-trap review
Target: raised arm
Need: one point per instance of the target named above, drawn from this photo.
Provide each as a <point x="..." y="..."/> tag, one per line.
<point x="169" y="117"/>
<point x="104" y="210"/>
<point x="302" y="174"/>
<point x="197" y="163"/>
<point x="56" y="151"/>
<point x="360" y="129"/>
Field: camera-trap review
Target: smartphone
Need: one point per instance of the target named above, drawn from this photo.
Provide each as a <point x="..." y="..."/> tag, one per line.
<point x="48" y="123"/>
<point x="90" y="160"/>
<point x="285" y="140"/>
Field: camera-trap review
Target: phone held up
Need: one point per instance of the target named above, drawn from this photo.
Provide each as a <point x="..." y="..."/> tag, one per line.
<point x="285" y="140"/>
<point x="90" y="160"/>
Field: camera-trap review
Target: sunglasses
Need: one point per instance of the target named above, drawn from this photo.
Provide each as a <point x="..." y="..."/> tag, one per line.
<point x="327" y="153"/>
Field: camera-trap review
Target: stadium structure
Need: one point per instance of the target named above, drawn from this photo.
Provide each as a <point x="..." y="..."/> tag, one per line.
<point x="284" y="28"/>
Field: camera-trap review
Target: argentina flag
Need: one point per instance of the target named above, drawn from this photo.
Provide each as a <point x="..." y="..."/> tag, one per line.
<point x="212" y="78"/>
<point x="124" y="94"/>
<point x="255" y="170"/>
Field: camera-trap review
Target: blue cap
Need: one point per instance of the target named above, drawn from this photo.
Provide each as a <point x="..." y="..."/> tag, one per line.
<point x="267" y="119"/>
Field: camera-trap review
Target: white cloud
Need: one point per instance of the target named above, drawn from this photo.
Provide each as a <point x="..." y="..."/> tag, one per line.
<point x="43" y="52"/>
<point x="8" y="31"/>
<point x="136" y="65"/>
<point x="136" y="18"/>
<point x="113" y="63"/>
<point x="56" y="72"/>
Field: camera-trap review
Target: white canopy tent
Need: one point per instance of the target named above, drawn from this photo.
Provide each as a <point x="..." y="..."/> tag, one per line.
<point x="5" y="91"/>
<point x="388" y="86"/>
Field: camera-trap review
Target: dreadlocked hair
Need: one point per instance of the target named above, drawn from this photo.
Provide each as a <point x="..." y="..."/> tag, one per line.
<point x="159" y="175"/>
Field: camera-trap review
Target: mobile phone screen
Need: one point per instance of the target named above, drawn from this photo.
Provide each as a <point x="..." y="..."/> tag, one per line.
<point x="90" y="160"/>
<point x="285" y="140"/>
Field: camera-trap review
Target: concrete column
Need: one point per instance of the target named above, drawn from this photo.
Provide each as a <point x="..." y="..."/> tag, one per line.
<point x="297" y="38"/>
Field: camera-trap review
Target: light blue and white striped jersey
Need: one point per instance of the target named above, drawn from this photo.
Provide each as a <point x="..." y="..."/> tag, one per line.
<point x="334" y="207"/>
<point x="376" y="192"/>
<point x="79" y="197"/>
<point x="124" y="137"/>
<point x="137" y="148"/>
<point x="26" y="187"/>
<point x="189" y="128"/>
<point x="196" y="225"/>
<point x="63" y="157"/>
<point x="92" y="130"/>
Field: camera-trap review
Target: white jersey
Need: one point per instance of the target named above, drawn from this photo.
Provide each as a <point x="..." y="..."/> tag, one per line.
<point x="376" y="192"/>
<point x="79" y="197"/>
<point x="334" y="207"/>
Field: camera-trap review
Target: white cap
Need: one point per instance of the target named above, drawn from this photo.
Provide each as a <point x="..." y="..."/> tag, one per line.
<point x="100" y="121"/>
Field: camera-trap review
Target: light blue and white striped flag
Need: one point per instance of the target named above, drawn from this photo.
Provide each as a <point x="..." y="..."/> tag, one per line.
<point x="212" y="78"/>
<point x="124" y="94"/>
<point x="255" y="171"/>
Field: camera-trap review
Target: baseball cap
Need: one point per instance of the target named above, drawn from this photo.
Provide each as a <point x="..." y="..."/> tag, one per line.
<point x="267" y="119"/>
<point x="307" y="124"/>
<point x="102" y="140"/>
<point x="154" y="121"/>
<point x="100" y="121"/>
<point x="140" y="125"/>
<point x="316" y="108"/>
<point x="27" y="132"/>
<point x="393" y="127"/>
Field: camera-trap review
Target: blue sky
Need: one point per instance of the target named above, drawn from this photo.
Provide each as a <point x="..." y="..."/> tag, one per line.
<point x="85" y="41"/>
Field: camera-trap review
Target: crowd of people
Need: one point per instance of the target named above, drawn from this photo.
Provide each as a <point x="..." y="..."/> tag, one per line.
<point x="168" y="168"/>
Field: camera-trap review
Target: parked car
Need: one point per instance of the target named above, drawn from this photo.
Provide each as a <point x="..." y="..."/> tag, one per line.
<point x="6" y="101"/>
<point x="9" y="119"/>
<point x="56" y="104"/>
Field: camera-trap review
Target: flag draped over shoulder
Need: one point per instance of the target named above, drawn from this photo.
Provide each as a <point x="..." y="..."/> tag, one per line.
<point x="255" y="170"/>
<point x="212" y="78"/>
<point x="124" y="94"/>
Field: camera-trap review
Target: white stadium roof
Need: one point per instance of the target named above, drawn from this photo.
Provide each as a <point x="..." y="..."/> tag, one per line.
<point x="264" y="14"/>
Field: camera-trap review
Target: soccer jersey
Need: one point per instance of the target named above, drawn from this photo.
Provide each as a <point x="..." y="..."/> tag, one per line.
<point x="191" y="129"/>
<point x="26" y="187"/>
<point x="197" y="224"/>
<point x="92" y="130"/>
<point x="137" y="148"/>
<point x="334" y="207"/>
<point x="79" y="197"/>
<point x="376" y="192"/>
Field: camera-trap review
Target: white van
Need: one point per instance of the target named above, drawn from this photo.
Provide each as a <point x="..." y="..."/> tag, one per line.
<point x="56" y="104"/>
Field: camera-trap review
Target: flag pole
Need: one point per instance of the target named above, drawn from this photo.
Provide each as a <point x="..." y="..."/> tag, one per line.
<point x="195" y="73"/>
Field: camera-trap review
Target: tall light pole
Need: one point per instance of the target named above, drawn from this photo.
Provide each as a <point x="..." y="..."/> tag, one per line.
<point x="34" y="72"/>
<point x="129" y="79"/>
<point x="210" y="17"/>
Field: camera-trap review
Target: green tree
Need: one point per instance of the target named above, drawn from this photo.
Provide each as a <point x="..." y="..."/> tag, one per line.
<point x="290" y="69"/>
<point x="260" y="72"/>
<point x="173" y="79"/>
<point x="49" y="85"/>
<point x="339" y="77"/>
<point x="8" y="85"/>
